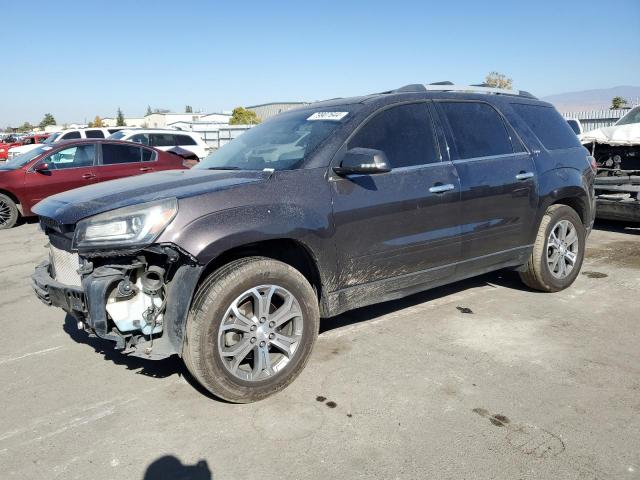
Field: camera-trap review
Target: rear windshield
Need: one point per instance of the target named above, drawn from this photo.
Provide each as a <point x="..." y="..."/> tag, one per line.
<point x="282" y="143"/>
<point x="552" y="130"/>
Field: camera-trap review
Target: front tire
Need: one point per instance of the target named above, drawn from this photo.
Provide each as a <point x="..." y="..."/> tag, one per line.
<point x="9" y="213"/>
<point x="251" y="329"/>
<point x="558" y="251"/>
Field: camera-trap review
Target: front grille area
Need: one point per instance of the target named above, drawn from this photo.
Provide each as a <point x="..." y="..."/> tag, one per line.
<point x="65" y="266"/>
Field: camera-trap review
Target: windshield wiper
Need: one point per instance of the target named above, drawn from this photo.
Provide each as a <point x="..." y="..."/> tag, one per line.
<point x="223" y="168"/>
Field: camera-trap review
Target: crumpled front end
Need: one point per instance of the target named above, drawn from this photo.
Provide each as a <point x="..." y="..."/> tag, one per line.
<point x="139" y="300"/>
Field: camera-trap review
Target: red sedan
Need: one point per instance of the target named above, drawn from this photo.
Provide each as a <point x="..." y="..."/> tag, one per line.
<point x="55" y="168"/>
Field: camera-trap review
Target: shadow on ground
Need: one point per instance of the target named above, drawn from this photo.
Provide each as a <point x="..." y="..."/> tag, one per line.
<point x="618" y="227"/>
<point x="169" y="467"/>
<point x="174" y="366"/>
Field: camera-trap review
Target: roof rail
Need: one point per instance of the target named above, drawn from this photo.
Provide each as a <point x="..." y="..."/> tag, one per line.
<point x="450" y="87"/>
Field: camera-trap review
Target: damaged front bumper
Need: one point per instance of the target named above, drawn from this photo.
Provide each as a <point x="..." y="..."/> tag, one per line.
<point x="618" y="198"/>
<point x="112" y="302"/>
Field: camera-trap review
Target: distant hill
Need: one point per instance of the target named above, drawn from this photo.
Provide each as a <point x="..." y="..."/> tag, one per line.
<point x="593" y="99"/>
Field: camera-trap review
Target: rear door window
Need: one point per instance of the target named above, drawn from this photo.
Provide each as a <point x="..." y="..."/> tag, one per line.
<point x="94" y="134"/>
<point x="118" y="154"/>
<point x="477" y="129"/>
<point x="404" y="133"/>
<point x="547" y="124"/>
<point x="70" y="135"/>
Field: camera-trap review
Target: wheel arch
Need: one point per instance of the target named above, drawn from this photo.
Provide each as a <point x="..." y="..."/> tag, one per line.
<point x="13" y="197"/>
<point x="287" y="250"/>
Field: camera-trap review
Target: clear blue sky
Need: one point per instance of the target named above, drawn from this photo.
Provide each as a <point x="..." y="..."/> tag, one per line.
<point x="77" y="59"/>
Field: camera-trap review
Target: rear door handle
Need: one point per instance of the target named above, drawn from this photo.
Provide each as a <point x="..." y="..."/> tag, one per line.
<point x="524" y="175"/>
<point x="442" y="188"/>
<point x="146" y="169"/>
<point x="88" y="176"/>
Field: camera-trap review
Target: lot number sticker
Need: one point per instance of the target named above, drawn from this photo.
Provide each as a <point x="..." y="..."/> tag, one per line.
<point x="331" y="116"/>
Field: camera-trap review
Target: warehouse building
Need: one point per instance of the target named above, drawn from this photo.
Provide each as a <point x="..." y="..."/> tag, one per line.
<point x="266" y="110"/>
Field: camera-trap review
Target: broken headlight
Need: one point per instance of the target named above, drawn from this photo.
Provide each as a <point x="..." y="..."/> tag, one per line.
<point x="134" y="226"/>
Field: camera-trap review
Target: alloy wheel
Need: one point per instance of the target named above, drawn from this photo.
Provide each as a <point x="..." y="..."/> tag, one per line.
<point x="260" y="332"/>
<point x="562" y="249"/>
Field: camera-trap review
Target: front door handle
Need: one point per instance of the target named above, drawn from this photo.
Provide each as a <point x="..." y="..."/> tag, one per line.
<point x="89" y="176"/>
<point x="524" y="175"/>
<point x="146" y="169"/>
<point x="442" y="188"/>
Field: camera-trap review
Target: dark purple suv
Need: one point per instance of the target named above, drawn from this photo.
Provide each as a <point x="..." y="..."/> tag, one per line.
<point x="316" y="211"/>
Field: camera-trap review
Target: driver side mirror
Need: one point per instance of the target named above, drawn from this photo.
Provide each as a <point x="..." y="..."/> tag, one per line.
<point x="41" y="167"/>
<point x="363" y="161"/>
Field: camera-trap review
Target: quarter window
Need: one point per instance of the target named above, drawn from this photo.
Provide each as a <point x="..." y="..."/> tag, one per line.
<point x="185" y="140"/>
<point x="477" y="129"/>
<point x="404" y="133"/>
<point x="546" y="123"/>
<point x="72" y="157"/>
<point x="117" y="154"/>
<point x="147" y="155"/>
<point x="162" y="140"/>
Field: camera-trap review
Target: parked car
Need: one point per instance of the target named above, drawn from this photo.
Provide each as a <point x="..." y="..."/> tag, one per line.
<point x="166" y="140"/>
<point x="69" y="134"/>
<point x="55" y="168"/>
<point x="8" y="142"/>
<point x="617" y="153"/>
<point x="575" y="125"/>
<point x="26" y="140"/>
<point x="317" y="211"/>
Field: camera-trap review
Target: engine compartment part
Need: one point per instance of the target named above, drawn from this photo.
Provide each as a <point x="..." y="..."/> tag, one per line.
<point x="141" y="308"/>
<point x="616" y="160"/>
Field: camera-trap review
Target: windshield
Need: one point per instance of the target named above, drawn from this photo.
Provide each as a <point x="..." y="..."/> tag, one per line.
<point x="118" y="135"/>
<point x="51" y="139"/>
<point x="21" y="160"/>
<point x="283" y="143"/>
<point x="633" y="116"/>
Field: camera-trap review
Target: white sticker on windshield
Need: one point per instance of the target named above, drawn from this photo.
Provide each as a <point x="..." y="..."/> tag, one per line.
<point x="330" y="116"/>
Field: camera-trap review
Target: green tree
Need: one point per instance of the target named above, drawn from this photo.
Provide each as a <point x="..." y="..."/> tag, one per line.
<point x="149" y="111"/>
<point x="498" y="80"/>
<point x="242" y="116"/>
<point x="120" y="119"/>
<point x="188" y="109"/>
<point x="618" y="102"/>
<point x="47" y="120"/>
<point x="25" y="127"/>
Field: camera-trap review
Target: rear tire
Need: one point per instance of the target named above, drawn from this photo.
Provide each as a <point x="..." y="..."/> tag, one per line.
<point x="9" y="213"/>
<point x="236" y="335"/>
<point x="558" y="251"/>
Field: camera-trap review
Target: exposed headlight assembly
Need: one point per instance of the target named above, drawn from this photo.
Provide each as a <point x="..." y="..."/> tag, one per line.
<point x="134" y="226"/>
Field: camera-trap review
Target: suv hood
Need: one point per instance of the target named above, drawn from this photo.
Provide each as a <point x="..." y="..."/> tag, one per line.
<point x="614" y="135"/>
<point x="74" y="205"/>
